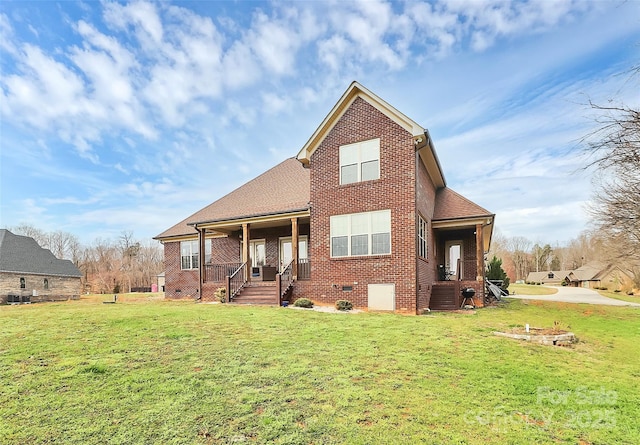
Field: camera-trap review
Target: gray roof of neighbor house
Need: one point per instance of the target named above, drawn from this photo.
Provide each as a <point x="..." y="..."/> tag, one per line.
<point x="22" y="254"/>
<point x="282" y="189"/>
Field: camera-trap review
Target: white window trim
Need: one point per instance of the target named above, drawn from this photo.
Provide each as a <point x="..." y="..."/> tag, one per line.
<point x="195" y="252"/>
<point x="369" y="234"/>
<point x="423" y="237"/>
<point x="359" y="162"/>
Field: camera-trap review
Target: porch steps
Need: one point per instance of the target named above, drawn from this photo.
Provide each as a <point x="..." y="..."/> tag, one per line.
<point x="263" y="293"/>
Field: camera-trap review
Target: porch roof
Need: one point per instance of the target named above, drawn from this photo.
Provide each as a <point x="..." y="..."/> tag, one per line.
<point x="450" y="205"/>
<point x="454" y="211"/>
<point x="281" y="190"/>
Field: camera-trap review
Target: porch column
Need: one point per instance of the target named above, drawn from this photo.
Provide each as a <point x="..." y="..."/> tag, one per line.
<point x="246" y="254"/>
<point x="294" y="247"/>
<point x="479" y="253"/>
<point x="201" y="256"/>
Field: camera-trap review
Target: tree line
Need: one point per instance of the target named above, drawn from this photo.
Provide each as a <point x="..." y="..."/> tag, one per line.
<point x="107" y="265"/>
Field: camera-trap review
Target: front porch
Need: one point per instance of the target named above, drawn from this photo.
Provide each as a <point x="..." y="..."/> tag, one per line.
<point x="260" y="261"/>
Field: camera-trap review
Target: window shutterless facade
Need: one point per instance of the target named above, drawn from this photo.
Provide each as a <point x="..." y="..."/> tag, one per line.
<point x="361" y="234"/>
<point x="189" y="254"/>
<point x="360" y="161"/>
<point x="422" y="238"/>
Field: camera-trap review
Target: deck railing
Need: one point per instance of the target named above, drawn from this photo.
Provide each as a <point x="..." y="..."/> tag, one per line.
<point x="218" y="272"/>
<point x="284" y="280"/>
<point x="465" y="271"/>
<point x="304" y="269"/>
<point x="236" y="281"/>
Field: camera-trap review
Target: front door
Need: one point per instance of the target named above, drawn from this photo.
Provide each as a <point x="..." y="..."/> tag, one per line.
<point x="453" y="255"/>
<point x="286" y="253"/>
<point x="257" y="252"/>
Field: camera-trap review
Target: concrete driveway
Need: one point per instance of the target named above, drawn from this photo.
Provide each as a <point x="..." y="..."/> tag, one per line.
<point x="575" y="295"/>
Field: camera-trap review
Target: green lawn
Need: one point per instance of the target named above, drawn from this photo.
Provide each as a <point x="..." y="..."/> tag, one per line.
<point x="160" y="372"/>
<point x="620" y="296"/>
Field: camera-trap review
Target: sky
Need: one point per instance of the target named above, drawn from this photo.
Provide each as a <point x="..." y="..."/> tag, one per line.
<point x="130" y="116"/>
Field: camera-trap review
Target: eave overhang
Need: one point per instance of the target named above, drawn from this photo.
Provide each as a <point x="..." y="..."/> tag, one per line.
<point x="428" y="156"/>
<point x="226" y="226"/>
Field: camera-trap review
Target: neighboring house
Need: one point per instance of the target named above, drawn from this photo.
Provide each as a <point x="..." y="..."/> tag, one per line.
<point x="550" y="277"/>
<point x="362" y="213"/>
<point x="591" y="275"/>
<point x="30" y="273"/>
<point x="595" y="274"/>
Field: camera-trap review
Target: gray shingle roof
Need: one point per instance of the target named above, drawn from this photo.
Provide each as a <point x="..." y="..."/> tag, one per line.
<point x="22" y="254"/>
<point x="281" y="189"/>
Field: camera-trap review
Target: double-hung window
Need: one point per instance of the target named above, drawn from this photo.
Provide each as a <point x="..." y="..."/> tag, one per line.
<point x="360" y="234"/>
<point x="360" y="161"/>
<point x="422" y="238"/>
<point x="190" y="253"/>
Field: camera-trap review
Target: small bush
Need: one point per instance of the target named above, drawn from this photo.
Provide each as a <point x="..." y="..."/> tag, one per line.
<point x="617" y="291"/>
<point x="221" y="294"/>
<point x="303" y="302"/>
<point x="344" y="305"/>
<point x="630" y="293"/>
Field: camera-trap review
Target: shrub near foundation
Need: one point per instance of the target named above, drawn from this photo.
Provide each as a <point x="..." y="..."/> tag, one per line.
<point x="344" y="305"/>
<point x="303" y="302"/>
<point x="221" y="294"/>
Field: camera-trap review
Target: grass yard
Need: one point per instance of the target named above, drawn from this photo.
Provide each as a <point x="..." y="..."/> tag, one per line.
<point x="159" y="372"/>
<point x="620" y="296"/>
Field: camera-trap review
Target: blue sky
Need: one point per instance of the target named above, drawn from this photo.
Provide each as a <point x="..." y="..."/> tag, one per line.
<point x="131" y="116"/>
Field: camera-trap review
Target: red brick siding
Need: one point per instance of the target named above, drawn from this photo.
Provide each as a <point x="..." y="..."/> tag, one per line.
<point x="178" y="283"/>
<point x="395" y="190"/>
<point x="425" y="203"/>
<point x="225" y="250"/>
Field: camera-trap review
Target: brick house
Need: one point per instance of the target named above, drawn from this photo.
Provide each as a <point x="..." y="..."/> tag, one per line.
<point x="29" y="273"/>
<point x="361" y="213"/>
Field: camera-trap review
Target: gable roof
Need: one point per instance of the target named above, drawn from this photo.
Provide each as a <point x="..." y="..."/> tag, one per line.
<point x="543" y="276"/>
<point x="284" y="188"/>
<point x="22" y="254"/>
<point x="452" y="205"/>
<point x="422" y="140"/>
<point x="590" y="271"/>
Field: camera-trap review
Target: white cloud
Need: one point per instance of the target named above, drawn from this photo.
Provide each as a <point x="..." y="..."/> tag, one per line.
<point x="142" y="16"/>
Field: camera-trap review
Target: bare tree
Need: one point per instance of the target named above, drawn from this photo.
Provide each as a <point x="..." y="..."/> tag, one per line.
<point x="614" y="150"/>
<point x="541" y="257"/>
<point x="519" y="247"/>
<point x="32" y="232"/>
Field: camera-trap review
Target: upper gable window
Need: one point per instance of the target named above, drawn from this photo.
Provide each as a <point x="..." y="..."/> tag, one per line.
<point x="360" y="161"/>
